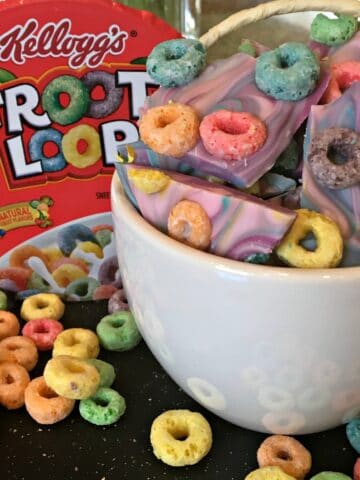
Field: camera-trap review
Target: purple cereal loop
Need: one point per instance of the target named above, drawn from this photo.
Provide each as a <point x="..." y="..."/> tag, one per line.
<point x="109" y="272"/>
<point x="118" y="302"/>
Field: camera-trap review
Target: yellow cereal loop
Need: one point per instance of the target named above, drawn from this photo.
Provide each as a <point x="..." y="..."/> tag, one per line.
<point x="180" y="437"/>
<point x="268" y="473"/>
<point x="67" y="273"/>
<point x="52" y="254"/>
<point x="70" y="146"/>
<point x="42" y="305"/>
<point x="77" y="342"/>
<point x="329" y="248"/>
<point x="71" y="377"/>
<point x="148" y="181"/>
<point x="89" y="247"/>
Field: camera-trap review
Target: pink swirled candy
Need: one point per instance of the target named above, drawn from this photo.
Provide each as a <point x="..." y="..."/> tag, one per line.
<point x="343" y="206"/>
<point x="230" y="84"/>
<point x="242" y="225"/>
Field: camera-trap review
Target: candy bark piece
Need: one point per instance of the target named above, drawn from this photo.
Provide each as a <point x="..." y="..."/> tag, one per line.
<point x="242" y="225"/>
<point x="343" y="206"/>
<point x="230" y="84"/>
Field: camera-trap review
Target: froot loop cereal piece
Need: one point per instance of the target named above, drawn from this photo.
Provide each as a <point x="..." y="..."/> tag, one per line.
<point x="283" y="423"/>
<point x="232" y="135"/>
<point x="76" y="342"/>
<point x="19" y="349"/>
<point x="288" y="161"/>
<point x="118" y="332"/>
<point x="104" y="292"/>
<point x="268" y="473"/>
<point x="9" y="324"/>
<point x="118" y="302"/>
<point x="343" y="75"/>
<point x="248" y="47"/>
<point x="43" y="332"/>
<point x="67" y="273"/>
<point x="106" y="371"/>
<point x="91" y="139"/>
<point x="356" y="470"/>
<point x="113" y="95"/>
<point x="19" y="276"/>
<point x="149" y="181"/>
<point x="27" y="293"/>
<point x="43" y="305"/>
<point x="171" y="129"/>
<point x="36" y="282"/>
<point x="103" y="226"/>
<point x="287" y="453"/>
<point x="353" y="433"/>
<point x="90" y="247"/>
<point x="104" y="237"/>
<point x="13" y="380"/>
<point x="3" y="300"/>
<point x="103" y="408"/>
<point x="189" y="223"/>
<point x="334" y="157"/>
<point x="180" y="437"/>
<point x="44" y="405"/>
<point x="68" y="237"/>
<point x="333" y="31"/>
<point x="329" y="248"/>
<point x="71" y="377"/>
<point x="78" y="95"/>
<point x="176" y="62"/>
<point x="82" y="289"/>
<point x="79" y="262"/>
<point x="330" y="476"/>
<point x="109" y="272"/>
<point x="20" y="255"/>
<point x="291" y="72"/>
<point x="242" y="225"/>
<point x="52" y="254"/>
<point x="36" y="149"/>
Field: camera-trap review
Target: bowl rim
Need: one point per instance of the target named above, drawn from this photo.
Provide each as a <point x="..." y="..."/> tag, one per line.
<point x="235" y="267"/>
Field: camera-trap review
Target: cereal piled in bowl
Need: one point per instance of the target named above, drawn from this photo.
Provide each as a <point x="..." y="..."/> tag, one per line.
<point x="238" y="123"/>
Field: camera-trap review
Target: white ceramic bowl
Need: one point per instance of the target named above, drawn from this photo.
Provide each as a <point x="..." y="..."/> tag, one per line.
<point x="270" y="349"/>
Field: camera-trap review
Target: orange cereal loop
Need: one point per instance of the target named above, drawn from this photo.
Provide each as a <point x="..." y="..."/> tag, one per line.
<point x="67" y="273"/>
<point x="286" y="453"/>
<point x="171" y="129"/>
<point x="189" y="223"/>
<point x="42" y="305"/>
<point x="13" y="380"/>
<point x="79" y="262"/>
<point x="19" y="349"/>
<point x="19" y="256"/>
<point x="9" y="324"/>
<point x="44" y="405"/>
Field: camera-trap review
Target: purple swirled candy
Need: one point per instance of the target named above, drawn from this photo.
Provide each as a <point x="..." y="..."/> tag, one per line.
<point x="343" y="206"/>
<point x="230" y="84"/>
<point x="242" y="225"/>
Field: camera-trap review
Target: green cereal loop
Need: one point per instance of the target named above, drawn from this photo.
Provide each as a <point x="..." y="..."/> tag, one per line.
<point x="103" y="408"/>
<point x="246" y="46"/>
<point x="118" y="332"/>
<point x="333" y="31"/>
<point x="106" y="371"/>
<point x="82" y="288"/>
<point x="103" y="237"/>
<point x="79" y="99"/>
<point x="258" y="258"/>
<point x="288" y="160"/>
<point x="37" y="283"/>
<point x="3" y="301"/>
<point x="330" y="476"/>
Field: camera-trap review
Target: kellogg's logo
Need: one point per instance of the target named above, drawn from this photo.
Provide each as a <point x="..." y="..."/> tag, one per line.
<point x="57" y="40"/>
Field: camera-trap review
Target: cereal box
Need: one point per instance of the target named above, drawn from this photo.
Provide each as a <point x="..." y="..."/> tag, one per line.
<point x="72" y="81"/>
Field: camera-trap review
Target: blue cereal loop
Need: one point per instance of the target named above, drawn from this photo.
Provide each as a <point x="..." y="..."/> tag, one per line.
<point x="353" y="433"/>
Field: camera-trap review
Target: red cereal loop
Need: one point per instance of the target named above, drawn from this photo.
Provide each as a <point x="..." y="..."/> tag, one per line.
<point x="343" y="75"/>
<point x="232" y="135"/>
<point x="20" y="276"/>
<point x="97" y="228"/>
<point x="42" y="332"/>
<point x="356" y="474"/>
